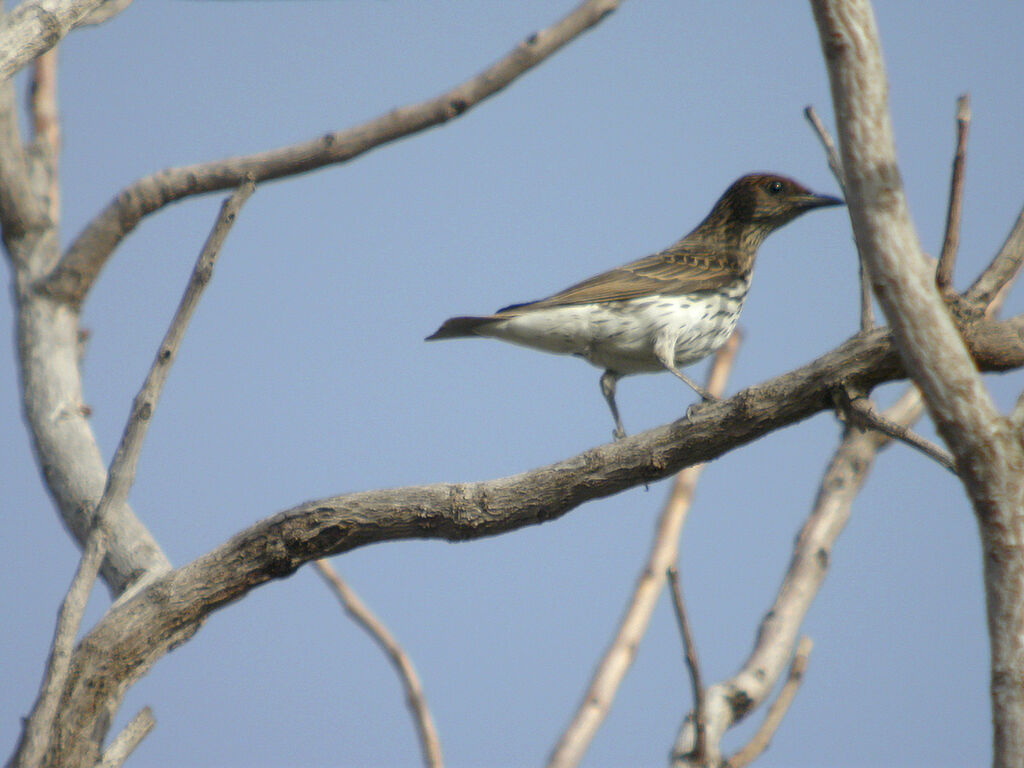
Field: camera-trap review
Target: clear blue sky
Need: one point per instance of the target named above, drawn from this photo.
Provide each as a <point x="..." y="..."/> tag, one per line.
<point x="304" y="373"/>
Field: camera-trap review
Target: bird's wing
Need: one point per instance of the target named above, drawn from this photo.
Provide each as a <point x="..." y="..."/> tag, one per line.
<point x="682" y="268"/>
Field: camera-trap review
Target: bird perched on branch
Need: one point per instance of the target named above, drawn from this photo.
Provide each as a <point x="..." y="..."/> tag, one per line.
<point x="664" y="311"/>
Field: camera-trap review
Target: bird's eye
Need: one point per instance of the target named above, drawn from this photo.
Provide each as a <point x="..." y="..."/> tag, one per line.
<point x="774" y="187"/>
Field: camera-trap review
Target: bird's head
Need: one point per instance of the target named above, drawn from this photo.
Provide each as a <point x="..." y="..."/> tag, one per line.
<point x="768" y="199"/>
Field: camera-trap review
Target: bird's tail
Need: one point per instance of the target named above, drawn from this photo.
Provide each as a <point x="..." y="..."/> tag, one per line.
<point x="459" y="327"/>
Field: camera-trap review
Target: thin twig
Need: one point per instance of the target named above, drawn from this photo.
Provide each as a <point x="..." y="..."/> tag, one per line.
<point x="778" y="709"/>
<point x="85" y="257"/>
<point x="126" y="741"/>
<point x="362" y="615"/>
<point x="120" y="477"/>
<point x="864" y="414"/>
<point x="867" y="307"/>
<point x="700" y="747"/>
<point x="126" y="459"/>
<point x="1002" y="270"/>
<point x="616" y="661"/>
<point x="831" y="154"/>
<point x="951" y="241"/>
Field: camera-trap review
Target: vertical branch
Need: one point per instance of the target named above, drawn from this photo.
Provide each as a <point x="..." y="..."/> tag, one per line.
<point x="700" y="744"/>
<point x="988" y="452"/>
<point x="46" y="126"/>
<point x="951" y="241"/>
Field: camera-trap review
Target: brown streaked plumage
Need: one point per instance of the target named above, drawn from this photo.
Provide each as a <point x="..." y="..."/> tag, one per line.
<point x="663" y="311"/>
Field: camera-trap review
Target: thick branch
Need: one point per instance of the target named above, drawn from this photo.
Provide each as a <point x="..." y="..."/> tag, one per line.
<point x="33" y="28"/>
<point x="987" y="448"/>
<point x="928" y="340"/>
<point x="86" y="256"/>
<point x="140" y="630"/>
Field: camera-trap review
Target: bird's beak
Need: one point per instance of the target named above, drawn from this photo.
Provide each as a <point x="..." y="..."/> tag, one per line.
<point x="810" y="200"/>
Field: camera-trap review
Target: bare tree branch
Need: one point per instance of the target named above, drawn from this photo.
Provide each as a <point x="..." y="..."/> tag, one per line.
<point x="867" y="307"/>
<point x="1004" y="267"/>
<point x="616" y="661"/>
<point x="126" y="458"/>
<point x="861" y="411"/>
<point x="139" y="630"/>
<point x="126" y="741"/>
<point x="417" y="700"/>
<point x="699" y="756"/>
<point x="951" y="241"/>
<point x="988" y="451"/>
<point x="831" y="154"/>
<point x="731" y="700"/>
<point x="35" y="736"/>
<point x="924" y="331"/>
<point x="46" y="127"/>
<point x="778" y="709"/>
<point x="37" y="732"/>
<point x="20" y="208"/>
<point x="35" y="26"/>
<point x="84" y="259"/>
<point x="49" y="340"/>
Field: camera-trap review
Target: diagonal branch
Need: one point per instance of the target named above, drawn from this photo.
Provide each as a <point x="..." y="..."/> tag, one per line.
<point x="139" y="630"/>
<point x="430" y="743"/>
<point x="1001" y="272"/>
<point x="731" y="700"/>
<point x="778" y="709"/>
<point x="126" y="741"/>
<point x="87" y="255"/>
<point x="126" y="458"/>
<point x="861" y="411"/>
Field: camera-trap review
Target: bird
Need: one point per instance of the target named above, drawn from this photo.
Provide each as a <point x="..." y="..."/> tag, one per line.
<point x="664" y="311"/>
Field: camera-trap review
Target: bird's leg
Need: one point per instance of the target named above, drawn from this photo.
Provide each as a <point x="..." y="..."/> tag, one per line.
<point x="608" y="381"/>
<point x="664" y="350"/>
